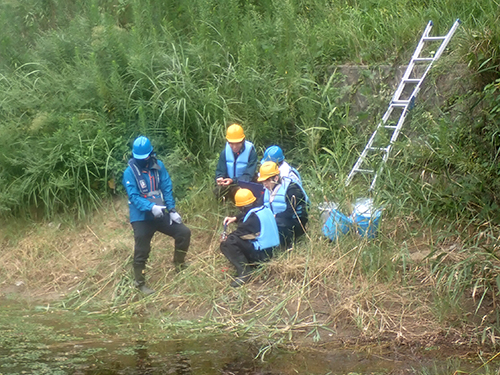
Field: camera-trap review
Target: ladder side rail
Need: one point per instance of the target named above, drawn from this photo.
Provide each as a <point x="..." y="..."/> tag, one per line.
<point x="415" y="55"/>
<point x="386" y="156"/>
<point x="356" y="168"/>
<point x="363" y="154"/>
<point x="406" y="104"/>
<point x="395" y="135"/>
<point x="375" y="177"/>
<point x="446" y="39"/>
<point x="369" y="144"/>
<point x="425" y="37"/>
<point x="402" y="83"/>
<point x="438" y="53"/>
<point x="386" y="116"/>
<point x="418" y="86"/>
<point x="389" y="148"/>
<point x="421" y="42"/>
<point x="365" y="151"/>
<point x="381" y="168"/>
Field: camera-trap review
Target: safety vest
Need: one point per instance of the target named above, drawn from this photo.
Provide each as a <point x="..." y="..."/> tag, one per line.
<point x="152" y="192"/>
<point x="286" y="170"/>
<point x="276" y="200"/>
<point x="241" y="161"/>
<point x="269" y="236"/>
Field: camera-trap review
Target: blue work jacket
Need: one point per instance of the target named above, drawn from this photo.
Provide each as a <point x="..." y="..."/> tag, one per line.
<point x="139" y="206"/>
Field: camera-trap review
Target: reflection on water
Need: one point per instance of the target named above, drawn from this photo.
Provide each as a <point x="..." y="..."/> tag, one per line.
<point x="37" y="342"/>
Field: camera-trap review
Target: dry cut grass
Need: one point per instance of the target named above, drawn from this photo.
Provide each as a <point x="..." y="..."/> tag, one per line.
<point x="352" y="291"/>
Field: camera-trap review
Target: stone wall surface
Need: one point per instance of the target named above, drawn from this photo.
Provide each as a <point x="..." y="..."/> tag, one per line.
<point x="375" y="85"/>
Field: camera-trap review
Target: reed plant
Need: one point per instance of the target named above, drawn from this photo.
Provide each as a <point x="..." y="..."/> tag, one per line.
<point x="182" y="72"/>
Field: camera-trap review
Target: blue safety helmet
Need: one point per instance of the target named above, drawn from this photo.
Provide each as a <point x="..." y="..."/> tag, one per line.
<point x="273" y="153"/>
<point x="141" y="148"/>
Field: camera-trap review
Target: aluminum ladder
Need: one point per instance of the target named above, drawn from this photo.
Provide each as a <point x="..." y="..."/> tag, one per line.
<point x="402" y="102"/>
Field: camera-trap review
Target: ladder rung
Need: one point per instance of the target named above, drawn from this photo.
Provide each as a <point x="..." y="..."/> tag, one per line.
<point x="378" y="148"/>
<point x="400" y="103"/>
<point x="434" y="38"/>
<point x="397" y="101"/>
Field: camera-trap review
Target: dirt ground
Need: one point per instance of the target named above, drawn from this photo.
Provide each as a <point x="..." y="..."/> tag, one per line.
<point x="46" y="263"/>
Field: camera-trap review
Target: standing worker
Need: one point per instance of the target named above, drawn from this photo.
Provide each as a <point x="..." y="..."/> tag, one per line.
<point x="288" y="202"/>
<point x="237" y="162"/>
<point x="152" y="208"/>
<point x="275" y="154"/>
<point x="254" y="238"/>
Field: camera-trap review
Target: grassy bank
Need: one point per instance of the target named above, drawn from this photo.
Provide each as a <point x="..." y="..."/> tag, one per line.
<point x="80" y="81"/>
<point x="352" y="292"/>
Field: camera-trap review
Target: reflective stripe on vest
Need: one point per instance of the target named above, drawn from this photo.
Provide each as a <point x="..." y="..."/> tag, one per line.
<point x="269" y="236"/>
<point x="241" y="160"/>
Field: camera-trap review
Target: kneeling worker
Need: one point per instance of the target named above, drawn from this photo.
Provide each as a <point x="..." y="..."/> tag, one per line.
<point x="287" y="200"/>
<point x="254" y="238"/>
<point x="152" y="209"/>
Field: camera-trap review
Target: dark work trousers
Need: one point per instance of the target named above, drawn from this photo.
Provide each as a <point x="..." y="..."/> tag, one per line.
<point x="225" y="192"/>
<point x="144" y="231"/>
<point x="235" y="247"/>
<point x="290" y="230"/>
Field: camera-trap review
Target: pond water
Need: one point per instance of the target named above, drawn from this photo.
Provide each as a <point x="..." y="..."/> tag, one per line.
<point x="40" y="340"/>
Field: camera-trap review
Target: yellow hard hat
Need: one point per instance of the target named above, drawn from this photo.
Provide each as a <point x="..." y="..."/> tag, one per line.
<point x="268" y="169"/>
<point x="235" y="134"/>
<point x="243" y="197"/>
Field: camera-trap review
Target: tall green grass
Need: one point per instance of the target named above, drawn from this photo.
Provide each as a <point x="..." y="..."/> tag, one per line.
<point x="180" y="72"/>
<point x="80" y="80"/>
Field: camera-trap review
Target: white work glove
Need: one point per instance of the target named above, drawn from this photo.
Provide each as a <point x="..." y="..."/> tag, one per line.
<point x="175" y="217"/>
<point x="158" y="211"/>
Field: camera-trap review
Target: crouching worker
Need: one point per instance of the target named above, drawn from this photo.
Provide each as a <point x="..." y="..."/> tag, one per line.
<point x="275" y="154"/>
<point x="254" y="238"/>
<point x="288" y="202"/>
<point x="152" y="209"/>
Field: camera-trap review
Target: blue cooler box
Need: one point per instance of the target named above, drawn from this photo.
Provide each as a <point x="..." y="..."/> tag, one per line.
<point x="336" y="225"/>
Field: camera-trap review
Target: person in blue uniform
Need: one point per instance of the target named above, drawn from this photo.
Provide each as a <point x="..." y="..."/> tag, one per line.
<point x="275" y="153"/>
<point x="152" y="209"/>
<point x="288" y="202"/>
<point x="253" y="240"/>
<point x="237" y="162"/>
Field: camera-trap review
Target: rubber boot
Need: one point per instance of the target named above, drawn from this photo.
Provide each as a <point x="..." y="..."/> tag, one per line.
<point x="243" y="270"/>
<point x="179" y="260"/>
<point x="140" y="280"/>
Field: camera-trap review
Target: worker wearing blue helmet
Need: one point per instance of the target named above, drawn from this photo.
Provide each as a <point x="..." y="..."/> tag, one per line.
<point x="275" y="154"/>
<point x="152" y="209"/>
<point x="288" y="202"/>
